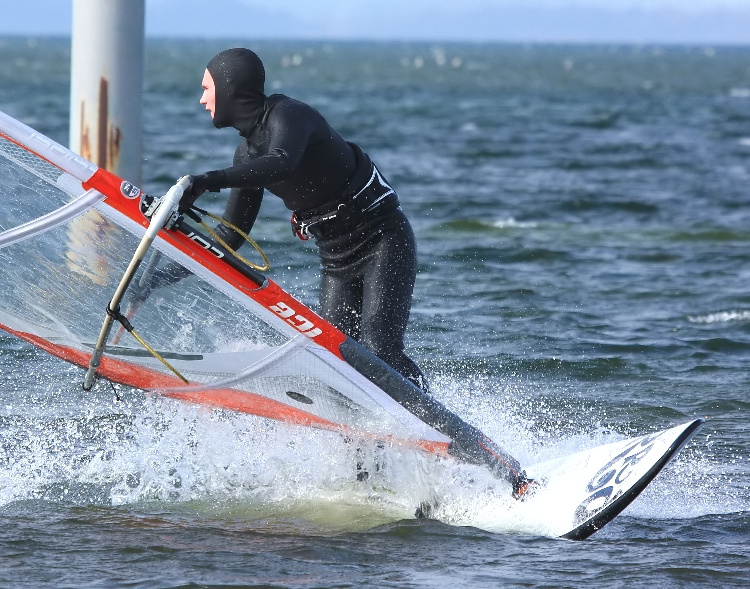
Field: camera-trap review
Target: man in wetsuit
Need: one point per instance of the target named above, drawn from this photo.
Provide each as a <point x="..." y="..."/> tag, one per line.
<point x="339" y="197"/>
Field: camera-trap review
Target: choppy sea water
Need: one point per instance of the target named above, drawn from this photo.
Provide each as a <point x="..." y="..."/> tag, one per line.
<point x="583" y="225"/>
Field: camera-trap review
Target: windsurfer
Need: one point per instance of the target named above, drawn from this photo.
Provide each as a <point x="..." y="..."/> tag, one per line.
<point x="339" y="197"/>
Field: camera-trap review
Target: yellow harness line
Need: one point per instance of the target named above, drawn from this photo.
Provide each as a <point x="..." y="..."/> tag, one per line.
<point x="266" y="265"/>
<point x="158" y="356"/>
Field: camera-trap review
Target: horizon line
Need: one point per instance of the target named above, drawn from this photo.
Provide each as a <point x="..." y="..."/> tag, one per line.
<point x="420" y="40"/>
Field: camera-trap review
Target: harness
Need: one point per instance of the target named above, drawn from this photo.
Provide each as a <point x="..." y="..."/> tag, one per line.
<point x="374" y="197"/>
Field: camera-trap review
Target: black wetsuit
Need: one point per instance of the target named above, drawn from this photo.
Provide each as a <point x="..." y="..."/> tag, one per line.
<point x="366" y="245"/>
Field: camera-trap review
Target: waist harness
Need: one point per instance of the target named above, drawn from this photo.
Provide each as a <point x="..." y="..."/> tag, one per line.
<point x="363" y="202"/>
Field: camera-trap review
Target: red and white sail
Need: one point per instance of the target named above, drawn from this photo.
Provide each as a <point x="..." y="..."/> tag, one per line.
<point x="67" y="232"/>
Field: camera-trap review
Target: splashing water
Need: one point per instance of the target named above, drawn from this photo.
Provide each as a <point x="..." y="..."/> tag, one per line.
<point x="94" y="450"/>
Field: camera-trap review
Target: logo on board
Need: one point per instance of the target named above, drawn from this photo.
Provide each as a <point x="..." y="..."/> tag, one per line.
<point x="129" y="190"/>
<point x="297" y="321"/>
<point x="614" y="478"/>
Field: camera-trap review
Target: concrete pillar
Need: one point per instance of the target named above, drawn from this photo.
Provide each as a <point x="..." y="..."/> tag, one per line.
<point x="106" y="90"/>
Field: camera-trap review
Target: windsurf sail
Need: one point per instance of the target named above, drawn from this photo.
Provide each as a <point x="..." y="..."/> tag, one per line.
<point x="68" y="231"/>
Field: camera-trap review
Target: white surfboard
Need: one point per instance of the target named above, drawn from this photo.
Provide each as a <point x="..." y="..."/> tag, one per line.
<point x="584" y="491"/>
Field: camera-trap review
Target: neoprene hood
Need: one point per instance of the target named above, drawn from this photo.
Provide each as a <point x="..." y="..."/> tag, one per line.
<point x="239" y="77"/>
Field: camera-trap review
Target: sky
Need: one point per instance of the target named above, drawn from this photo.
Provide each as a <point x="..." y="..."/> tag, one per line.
<point x="577" y="21"/>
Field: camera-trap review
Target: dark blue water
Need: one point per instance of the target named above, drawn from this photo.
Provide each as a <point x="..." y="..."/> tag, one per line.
<point x="583" y="220"/>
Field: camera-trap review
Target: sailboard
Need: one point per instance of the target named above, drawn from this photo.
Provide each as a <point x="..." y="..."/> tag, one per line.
<point x="68" y="230"/>
<point x="580" y="493"/>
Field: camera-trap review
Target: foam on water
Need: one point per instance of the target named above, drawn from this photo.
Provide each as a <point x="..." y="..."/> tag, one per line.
<point x="721" y="317"/>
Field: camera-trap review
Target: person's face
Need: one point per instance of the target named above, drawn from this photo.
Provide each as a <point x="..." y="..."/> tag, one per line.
<point x="209" y="93"/>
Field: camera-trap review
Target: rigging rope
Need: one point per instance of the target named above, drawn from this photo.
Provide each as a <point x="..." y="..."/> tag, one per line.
<point x="115" y="314"/>
<point x="266" y="264"/>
